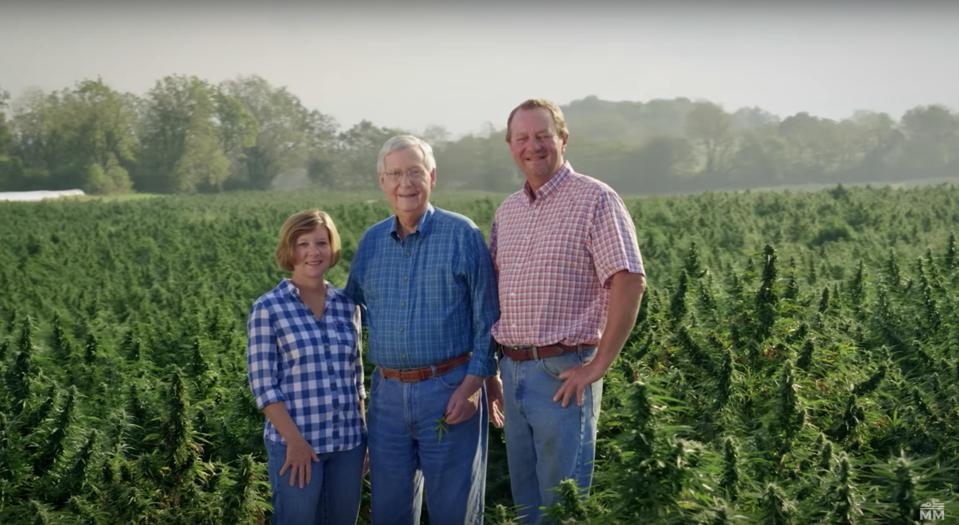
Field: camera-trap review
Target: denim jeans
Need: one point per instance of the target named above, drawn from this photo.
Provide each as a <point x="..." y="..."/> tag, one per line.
<point x="546" y="443"/>
<point x="408" y="453"/>
<point x="332" y="496"/>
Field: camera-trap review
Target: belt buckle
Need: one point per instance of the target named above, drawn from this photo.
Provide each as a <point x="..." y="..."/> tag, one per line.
<point x="527" y="348"/>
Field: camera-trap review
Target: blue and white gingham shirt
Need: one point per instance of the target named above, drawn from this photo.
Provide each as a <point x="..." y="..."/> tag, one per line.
<point x="430" y="296"/>
<point x="311" y="365"/>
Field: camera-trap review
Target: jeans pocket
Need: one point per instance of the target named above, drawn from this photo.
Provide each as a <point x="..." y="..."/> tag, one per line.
<point x="556" y="365"/>
<point x="454" y="378"/>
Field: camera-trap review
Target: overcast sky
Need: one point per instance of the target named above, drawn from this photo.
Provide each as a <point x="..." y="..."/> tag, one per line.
<point x="463" y="64"/>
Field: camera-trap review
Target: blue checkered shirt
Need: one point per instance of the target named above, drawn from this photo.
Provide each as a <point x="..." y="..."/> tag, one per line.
<point x="430" y="296"/>
<point x="311" y="365"/>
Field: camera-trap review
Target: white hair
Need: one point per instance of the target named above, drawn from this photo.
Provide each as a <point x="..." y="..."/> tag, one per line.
<point x="402" y="142"/>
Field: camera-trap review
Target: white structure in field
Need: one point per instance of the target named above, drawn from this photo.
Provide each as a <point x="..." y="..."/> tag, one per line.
<point x="33" y="196"/>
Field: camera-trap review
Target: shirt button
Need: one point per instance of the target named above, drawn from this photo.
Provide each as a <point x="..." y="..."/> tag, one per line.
<point x="408" y="253"/>
<point x="402" y="330"/>
<point x="405" y="279"/>
<point x="403" y="304"/>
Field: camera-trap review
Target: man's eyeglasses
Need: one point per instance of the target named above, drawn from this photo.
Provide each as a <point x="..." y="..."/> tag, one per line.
<point x="413" y="174"/>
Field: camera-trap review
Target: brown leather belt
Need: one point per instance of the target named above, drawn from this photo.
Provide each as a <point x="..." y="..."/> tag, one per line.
<point x="415" y="375"/>
<point x="528" y="353"/>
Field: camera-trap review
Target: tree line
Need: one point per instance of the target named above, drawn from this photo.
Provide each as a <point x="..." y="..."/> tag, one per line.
<point x="188" y="135"/>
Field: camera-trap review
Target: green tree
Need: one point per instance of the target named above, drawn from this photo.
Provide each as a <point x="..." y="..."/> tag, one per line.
<point x="283" y="138"/>
<point x="32" y="120"/>
<point x="321" y="165"/>
<point x="659" y="161"/>
<point x="11" y="167"/>
<point x="80" y="137"/>
<point x="476" y="162"/>
<point x="6" y="135"/>
<point x="238" y="129"/>
<point x="356" y="154"/>
<point x="185" y="140"/>
<point x="877" y="139"/>
<point x="812" y="145"/>
<point x="708" y="126"/>
<point x="931" y="140"/>
<point x="759" y="160"/>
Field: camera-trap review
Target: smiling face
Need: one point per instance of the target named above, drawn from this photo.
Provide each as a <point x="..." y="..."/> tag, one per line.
<point x="535" y="144"/>
<point x="312" y="255"/>
<point x="407" y="183"/>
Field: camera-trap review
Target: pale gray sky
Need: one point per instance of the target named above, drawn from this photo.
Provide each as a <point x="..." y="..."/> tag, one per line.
<point x="410" y="65"/>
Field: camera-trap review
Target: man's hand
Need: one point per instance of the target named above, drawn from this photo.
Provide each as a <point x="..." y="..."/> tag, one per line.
<point x="625" y="294"/>
<point x="494" y="394"/>
<point x="465" y="400"/>
<point x="575" y="381"/>
<point x="299" y="459"/>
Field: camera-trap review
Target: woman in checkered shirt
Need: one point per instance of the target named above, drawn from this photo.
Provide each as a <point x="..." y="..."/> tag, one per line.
<point x="305" y="370"/>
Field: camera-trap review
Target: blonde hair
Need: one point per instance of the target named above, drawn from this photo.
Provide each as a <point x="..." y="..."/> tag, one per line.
<point x="298" y="224"/>
<point x="559" y="122"/>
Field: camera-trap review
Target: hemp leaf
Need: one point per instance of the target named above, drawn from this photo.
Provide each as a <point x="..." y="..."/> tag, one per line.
<point x="441" y="428"/>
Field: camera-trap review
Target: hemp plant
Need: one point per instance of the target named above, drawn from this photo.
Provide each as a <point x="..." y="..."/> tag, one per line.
<point x="441" y="428"/>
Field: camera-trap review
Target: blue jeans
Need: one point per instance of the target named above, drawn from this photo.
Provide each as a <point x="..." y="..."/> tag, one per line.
<point x="332" y="496"/>
<point x="407" y="452"/>
<point x="546" y="443"/>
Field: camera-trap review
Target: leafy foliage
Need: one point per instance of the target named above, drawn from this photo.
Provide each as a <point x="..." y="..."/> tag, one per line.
<point x="770" y="377"/>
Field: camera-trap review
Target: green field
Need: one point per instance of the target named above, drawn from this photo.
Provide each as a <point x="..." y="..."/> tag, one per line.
<point x="796" y="359"/>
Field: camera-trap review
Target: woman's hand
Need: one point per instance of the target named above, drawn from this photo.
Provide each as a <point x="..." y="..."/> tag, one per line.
<point x="299" y="462"/>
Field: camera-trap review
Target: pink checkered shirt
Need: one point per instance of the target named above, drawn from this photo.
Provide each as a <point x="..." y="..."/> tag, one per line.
<point x="555" y="250"/>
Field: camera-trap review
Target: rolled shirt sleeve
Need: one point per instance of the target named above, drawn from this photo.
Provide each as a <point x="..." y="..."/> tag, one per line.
<point x="261" y="358"/>
<point x="358" y="363"/>
<point x="484" y="304"/>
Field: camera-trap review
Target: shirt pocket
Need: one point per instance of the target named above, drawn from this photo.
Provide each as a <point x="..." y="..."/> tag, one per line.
<point x="344" y="333"/>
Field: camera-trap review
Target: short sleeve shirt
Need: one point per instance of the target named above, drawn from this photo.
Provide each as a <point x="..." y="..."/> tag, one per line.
<point x="554" y="250"/>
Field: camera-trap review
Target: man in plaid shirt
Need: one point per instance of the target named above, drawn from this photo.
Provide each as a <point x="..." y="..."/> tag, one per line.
<point x="570" y="280"/>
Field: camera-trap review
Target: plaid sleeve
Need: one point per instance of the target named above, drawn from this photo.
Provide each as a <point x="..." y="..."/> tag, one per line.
<point x="358" y="362"/>
<point x="354" y="281"/>
<point x="492" y="245"/>
<point x="484" y="303"/>
<point x="612" y="239"/>
<point x="261" y="358"/>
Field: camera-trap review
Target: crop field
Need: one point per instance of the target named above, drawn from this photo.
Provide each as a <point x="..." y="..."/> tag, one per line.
<point x="796" y="359"/>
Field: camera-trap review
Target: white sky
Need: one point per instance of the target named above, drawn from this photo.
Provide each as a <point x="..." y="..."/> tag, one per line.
<point x="464" y="66"/>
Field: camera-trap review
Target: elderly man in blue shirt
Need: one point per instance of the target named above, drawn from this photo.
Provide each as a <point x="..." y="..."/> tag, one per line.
<point x="425" y="278"/>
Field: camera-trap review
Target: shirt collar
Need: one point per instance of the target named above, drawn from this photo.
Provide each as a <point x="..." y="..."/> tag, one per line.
<point x="551" y="185"/>
<point x="287" y="286"/>
<point x="422" y="226"/>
